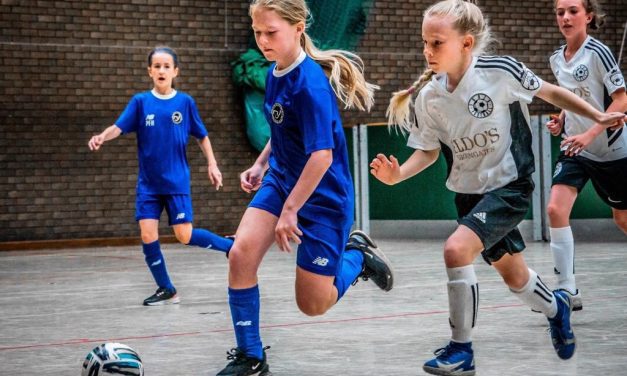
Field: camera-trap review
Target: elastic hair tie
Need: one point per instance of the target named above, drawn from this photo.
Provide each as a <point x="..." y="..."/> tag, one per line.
<point x="411" y="90"/>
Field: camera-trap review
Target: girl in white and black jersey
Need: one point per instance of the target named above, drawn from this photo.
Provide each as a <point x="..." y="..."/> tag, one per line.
<point x="586" y="67"/>
<point x="473" y="108"/>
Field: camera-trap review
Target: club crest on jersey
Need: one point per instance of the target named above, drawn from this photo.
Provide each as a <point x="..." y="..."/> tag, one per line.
<point x="580" y="73"/>
<point x="177" y="117"/>
<point x="480" y="105"/>
<point x="277" y="113"/>
<point x="529" y="80"/>
<point x="617" y="79"/>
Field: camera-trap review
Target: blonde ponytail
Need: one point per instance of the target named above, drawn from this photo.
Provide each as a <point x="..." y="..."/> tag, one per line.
<point x="399" y="110"/>
<point x="346" y="75"/>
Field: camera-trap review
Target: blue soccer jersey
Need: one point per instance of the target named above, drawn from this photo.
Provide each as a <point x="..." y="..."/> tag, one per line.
<point x="301" y="108"/>
<point x="163" y="125"/>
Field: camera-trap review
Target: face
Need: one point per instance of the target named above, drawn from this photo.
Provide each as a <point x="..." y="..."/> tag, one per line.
<point x="444" y="48"/>
<point x="162" y="71"/>
<point x="277" y="39"/>
<point x="572" y="18"/>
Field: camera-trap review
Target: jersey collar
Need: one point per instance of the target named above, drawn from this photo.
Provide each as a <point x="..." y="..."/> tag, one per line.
<point x="282" y="72"/>
<point x="164" y="97"/>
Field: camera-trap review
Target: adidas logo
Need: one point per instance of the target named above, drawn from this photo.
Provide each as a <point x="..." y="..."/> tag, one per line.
<point x="321" y="261"/>
<point x="480" y="216"/>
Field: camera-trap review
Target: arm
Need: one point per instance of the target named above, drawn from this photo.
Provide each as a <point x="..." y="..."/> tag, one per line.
<point x="566" y="100"/>
<point x="108" y="134"/>
<point x="250" y="180"/>
<point x="315" y="168"/>
<point x="579" y="142"/>
<point x="215" y="176"/>
<point x="389" y="172"/>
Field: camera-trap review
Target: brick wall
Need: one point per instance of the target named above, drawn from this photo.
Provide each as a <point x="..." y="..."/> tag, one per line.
<point x="70" y="67"/>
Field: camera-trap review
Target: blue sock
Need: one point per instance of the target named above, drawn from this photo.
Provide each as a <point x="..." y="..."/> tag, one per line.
<point x="244" y="305"/>
<point x="352" y="264"/>
<point x="207" y="239"/>
<point x="156" y="263"/>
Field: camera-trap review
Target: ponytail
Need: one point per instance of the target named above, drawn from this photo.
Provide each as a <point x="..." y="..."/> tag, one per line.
<point x="399" y="110"/>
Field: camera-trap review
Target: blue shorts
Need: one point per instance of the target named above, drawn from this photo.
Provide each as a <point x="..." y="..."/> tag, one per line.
<point x="322" y="246"/>
<point x="178" y="207"/>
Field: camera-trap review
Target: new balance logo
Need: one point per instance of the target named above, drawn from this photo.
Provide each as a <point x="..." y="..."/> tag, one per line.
<point x="244" y="323"/>
<point x="180" y="216"/>
<point x="158" y="262"/>
<point x="480" y="216"/>
<point x="321" y="261"/>
<point x="150" y="120"/>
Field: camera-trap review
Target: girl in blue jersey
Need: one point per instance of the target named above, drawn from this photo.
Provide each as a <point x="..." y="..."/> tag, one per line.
<point x="473" y="108"/>
<point x="586" y="67"/>
<point x="163" y="120"/>
<point x="306" y="195"/>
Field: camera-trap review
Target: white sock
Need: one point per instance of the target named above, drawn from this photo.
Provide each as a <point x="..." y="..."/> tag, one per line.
<point x="563" y="250"/>
<point x="536" y="295"/>
<point x="463" y="301"/>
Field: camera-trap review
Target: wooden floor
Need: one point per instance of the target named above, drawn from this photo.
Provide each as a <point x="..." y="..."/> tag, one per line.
<point x="56" y="305"/>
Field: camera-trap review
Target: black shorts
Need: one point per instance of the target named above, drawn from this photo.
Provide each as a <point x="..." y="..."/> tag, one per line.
<point x="608" y="178"/>
<point x="494" y="217"/>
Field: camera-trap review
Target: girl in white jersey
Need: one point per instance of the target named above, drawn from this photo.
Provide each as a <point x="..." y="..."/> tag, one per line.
<point x="474" y="109"/>
<point x="586" y="67"/>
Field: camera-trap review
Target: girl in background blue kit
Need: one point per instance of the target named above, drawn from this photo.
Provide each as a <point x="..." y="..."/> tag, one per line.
<point x="306" y="195"/>
<point x="163" y="119"/>
<point x="473" y="109"/>
<point x="585" y="66"/>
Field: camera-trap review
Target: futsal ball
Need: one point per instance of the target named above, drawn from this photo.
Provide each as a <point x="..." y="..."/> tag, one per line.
<point x="112" y="359"/>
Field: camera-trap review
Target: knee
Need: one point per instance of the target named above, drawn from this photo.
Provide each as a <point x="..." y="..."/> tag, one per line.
<point x="184" y="236"/>
<point x="455" y="254"/>
<point x="310" y="308"/>
<point x="149" y="237"/>
<point x="621" y="222"/>
<point x="555" y="212"/>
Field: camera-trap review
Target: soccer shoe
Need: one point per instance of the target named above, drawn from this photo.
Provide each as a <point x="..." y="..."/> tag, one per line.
<point x="454" y="359"/>
<point x="163" y="296"/>
<point x="562" y="335"/>
<point x="243" y="365"/>
<point x="376" y="266"/>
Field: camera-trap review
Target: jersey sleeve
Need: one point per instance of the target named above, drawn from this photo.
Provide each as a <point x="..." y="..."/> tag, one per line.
<point x="315" y="112"/>
<point x="129" y="119"/>
<point x="526" y="85"/>
<point x="423" y="135"/>
<point x="613" y="78"/>
<point x="196" y="126"/>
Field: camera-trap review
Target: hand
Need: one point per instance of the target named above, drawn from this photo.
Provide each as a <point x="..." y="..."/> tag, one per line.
<point x="386" y="170"/>
<point x="287" y="230"/>
<point x="250" y="180"/>
<point x="555" y="125"/>
<point x="612" y="120"/>
<point x="96" y="142"/>
<point x="574" y="145"/>
<point x="215" y="176"/>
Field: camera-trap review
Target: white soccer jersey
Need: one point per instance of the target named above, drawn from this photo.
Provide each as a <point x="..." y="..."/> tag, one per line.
<point x="482" y="127"/>
<point x="592" y="74"/>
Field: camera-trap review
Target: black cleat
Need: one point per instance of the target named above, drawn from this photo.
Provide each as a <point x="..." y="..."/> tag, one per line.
<point x="163" y="296"/>
<point x="243" y="365"/>
<point x="376" y="266"/>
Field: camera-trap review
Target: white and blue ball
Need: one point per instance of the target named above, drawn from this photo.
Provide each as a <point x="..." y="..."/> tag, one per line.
<point x="112" y="359"/>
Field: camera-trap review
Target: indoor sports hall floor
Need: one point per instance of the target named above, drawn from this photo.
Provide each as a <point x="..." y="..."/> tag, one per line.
<point x="57" y="305"/>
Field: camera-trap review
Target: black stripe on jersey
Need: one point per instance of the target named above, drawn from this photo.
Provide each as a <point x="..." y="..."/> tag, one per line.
<point x="448" y="157"/>
<point x="612" y="136"/>
<point x="604" y="49"/>
<point x="604" y="54"/>
<point x="557" y="51"/>
<point x="508" y="61"/>
<point x="520" y="148"/>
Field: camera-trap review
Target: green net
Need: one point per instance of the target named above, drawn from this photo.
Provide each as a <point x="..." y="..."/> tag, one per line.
<point x="333" y="25"/>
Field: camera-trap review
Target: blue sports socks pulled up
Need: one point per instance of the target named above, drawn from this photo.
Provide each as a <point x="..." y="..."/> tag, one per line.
<point x="352" y="265"/>
<point x="207" y="239"/>
<point x="156" y="264"/>
<point x="245" y="304"/>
